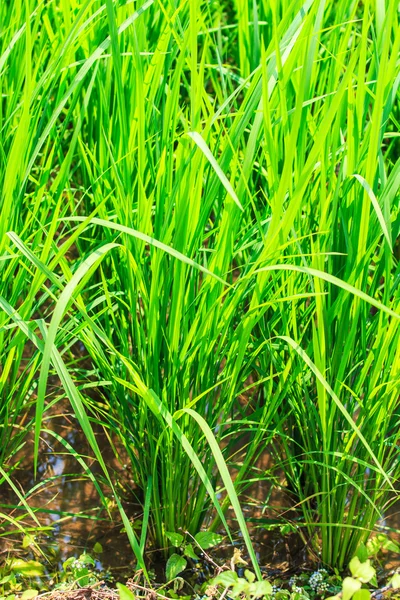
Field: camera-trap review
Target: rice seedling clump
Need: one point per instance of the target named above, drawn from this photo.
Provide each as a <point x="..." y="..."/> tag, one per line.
<point x="199" y="257"/>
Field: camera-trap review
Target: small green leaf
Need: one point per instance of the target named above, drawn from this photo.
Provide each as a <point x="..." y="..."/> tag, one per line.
<point x="354" y="565"/>
<point x="28" y="594"/>
<point x="176" y="539"/>
<point x="287" y="528"/>
<point x="28" y="541"/>
<point x="175" y="565"/>
<point x="67" y="563"/>
<point x="362" y="595"/>
<point x="362" y="552"/>
<point x="207" y="539"/>
<point x="97" y="548"/>
<point x="249" y="576"/>
<point x="189" y="551"/>
<point x="226" y="578"/>
<point x="30" y="568"/>
<point x="349" y="587"/>
<point x="363" y="571"/>
<point x="395" y="581"/>
<point x="241" y="588"/>
<point x="82" y="577"/>
<point x="392" y="546"/>
<point x="124" y="592"/>
<point x="86" y="559"/>
<point x="259" y="589"/>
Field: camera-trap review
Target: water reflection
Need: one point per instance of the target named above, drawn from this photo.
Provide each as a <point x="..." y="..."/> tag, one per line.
<point x="67" y="501"/>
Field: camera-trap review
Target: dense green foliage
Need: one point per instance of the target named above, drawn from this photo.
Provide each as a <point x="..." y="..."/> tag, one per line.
<point x="204" y="200"/>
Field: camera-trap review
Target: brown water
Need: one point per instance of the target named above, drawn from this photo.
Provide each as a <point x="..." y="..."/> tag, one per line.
<point x="68" y="503"/>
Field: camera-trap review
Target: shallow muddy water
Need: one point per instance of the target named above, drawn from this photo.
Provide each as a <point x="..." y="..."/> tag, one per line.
<point x="68" y="503"/>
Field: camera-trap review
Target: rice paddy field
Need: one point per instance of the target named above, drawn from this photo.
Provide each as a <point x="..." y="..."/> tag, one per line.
<point x="199" y="299"/>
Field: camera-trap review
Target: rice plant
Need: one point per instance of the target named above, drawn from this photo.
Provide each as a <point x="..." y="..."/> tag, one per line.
<point x="209" y="193"/>
<point x="339" y="385"/>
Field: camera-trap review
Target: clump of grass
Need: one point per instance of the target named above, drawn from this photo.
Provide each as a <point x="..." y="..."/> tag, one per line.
<point x="339" y="384"/>
<point x="196" y="329"/>
<point x="210" y="195"/>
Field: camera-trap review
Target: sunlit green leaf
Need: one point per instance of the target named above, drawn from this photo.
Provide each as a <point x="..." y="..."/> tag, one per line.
<point x="125" y="593"/>
<point x="176" y="539"/>
<point x="208" y="539"/>
<point x="175" y="565"/>
<point x="349" y="587"/>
